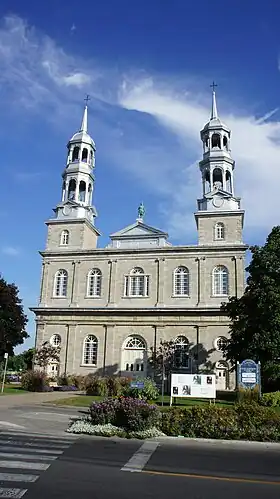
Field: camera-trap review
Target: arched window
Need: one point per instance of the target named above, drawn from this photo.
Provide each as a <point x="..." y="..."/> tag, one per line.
<point x="64" y="238"/>
<point x="63" y="191"/>
<point x="181" y="282"/>
<point x="94" y="283"/>
<point x="91" y="158"/>
<point x="60" y="283"/>
<point x="82" y="191"/>
<point x="228" y="182"/>
<point x="220" y="281"/>
<point x="219" y="231"/>
<point x="75" y="155"/>
<point x="137" y="283"/>
<point x="90" y="350"/>
<point x="134" y="355"/>
<point x="217" y="178"/>
<point x="181" y="353"/>
<point x="55" y="340"/>
<point x="84" y="154"/>
<point x="72" y="189"/>
<point x="220" y="343"/>
<point x="216" y="140"/>
<point x="225" y="142"/>
<point x="89" y="193"/>
<point x="207" y="181"/>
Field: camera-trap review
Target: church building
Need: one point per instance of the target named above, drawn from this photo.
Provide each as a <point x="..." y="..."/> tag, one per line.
<point x="106" y="307"/>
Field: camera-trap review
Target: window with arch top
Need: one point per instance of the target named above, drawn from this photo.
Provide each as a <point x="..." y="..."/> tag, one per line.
<point x="64" y="238"/>
<point x="90" y="350"/>
<point x="216" y="140"/>
<point x="219" y="231"/>
<point x="181" y="281"/>
<point x="220" y="281"/>
<point x="181" y="353"/>
<point x="136" y="283"/>
<point x="134" y="354"/>
<point x="75" y="154"/>
<point x="84" y="154"/>
<point x="94" y="281"/>
<point x="60" y="283"/>
<point x="55" y="340"/>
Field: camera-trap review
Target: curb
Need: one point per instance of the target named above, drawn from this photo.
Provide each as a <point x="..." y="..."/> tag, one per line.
<point x="237" y="443"/>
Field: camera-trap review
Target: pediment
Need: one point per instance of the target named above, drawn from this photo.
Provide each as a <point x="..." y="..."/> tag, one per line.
<point x="138" y="230"/>
<point x="218" y="193"/>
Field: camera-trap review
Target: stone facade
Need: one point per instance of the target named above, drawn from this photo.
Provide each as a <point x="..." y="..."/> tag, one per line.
<point x="107" y="307"/>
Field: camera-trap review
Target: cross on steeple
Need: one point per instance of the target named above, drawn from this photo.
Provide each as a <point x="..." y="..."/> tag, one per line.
<point x="87" y="99"/>
<point x="213" y="86"/>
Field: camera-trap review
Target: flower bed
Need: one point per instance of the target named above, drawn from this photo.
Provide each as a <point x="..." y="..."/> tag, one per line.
<point x="130" y="418"/>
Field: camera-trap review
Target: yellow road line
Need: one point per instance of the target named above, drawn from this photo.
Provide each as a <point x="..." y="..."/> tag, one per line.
<point x="211" y="477"/>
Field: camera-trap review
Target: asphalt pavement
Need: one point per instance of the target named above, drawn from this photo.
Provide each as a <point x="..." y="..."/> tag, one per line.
<point x="39" y="459"/>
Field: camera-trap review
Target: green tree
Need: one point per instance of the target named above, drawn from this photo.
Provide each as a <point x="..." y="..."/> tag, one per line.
<point x="46" y="354"/>
<point x="255" y="317"/>
<point x="12" y="318"/>
<point x="28" y="357"/>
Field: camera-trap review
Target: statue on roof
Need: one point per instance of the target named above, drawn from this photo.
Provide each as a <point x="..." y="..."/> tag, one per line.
<point x="141" y="211"/>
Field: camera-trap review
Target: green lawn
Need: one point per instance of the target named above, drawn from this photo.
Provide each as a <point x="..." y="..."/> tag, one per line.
<point x="86" y="400"/>
<point x="12" y="390"/>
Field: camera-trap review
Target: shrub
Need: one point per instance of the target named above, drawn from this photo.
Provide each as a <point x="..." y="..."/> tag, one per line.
<point x="76" y="380"/>
<point x="248" y="394"/>
<point x="34" y="381"/>
<point x="241" y="421"/>
<point x="128" y="413"/>
<point x="115" y="386"/>
<point x="103" y="412"/>
<point x="149" y="392"/>
<point x="95" y="385"/>
<point x="270" y="399"/>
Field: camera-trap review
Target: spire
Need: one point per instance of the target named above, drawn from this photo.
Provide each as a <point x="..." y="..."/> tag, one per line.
<point x="84" y="124"/>
<point x="84" y="121"/>
<point x="214" y="112"/>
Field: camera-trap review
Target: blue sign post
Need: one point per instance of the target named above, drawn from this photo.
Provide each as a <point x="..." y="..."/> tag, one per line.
<point x="249" y="375"/>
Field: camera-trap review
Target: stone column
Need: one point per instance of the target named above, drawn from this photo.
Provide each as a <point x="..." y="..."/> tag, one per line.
<point x="74" y="299"/>
<point x="201" y="280"/>
<point x="112" y="358"/>
<point x="160" y="282"/>
<point x="44" y="292"/>
<point x="112" y="282"/>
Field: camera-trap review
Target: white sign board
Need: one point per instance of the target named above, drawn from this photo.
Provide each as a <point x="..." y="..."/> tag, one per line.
<point x="193" y="385"/>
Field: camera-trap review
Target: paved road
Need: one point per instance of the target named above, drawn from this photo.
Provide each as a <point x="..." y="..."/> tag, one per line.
<point x="34" y="465"/>
<point x="56" y="464"/>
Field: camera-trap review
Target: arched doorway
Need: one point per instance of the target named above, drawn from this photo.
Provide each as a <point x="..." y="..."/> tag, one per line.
<point x="134" y="357"/>
<point x="221" y="371"/>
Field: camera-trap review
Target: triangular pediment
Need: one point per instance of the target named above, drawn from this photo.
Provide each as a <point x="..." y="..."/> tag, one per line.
<point x="138" y="230"/>
<point x="218" y="193"/>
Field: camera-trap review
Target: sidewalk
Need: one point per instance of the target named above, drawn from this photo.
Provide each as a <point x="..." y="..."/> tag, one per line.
<point x="8" y="401"/>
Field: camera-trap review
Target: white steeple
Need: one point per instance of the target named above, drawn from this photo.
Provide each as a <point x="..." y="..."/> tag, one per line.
<point x="78" y="177"/>
<point x="217" y="165"/>
<point x="214" y="112"/>
<point x="84" y="123"/>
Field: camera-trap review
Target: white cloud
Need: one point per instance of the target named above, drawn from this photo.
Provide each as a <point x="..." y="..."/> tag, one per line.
<point x="37" y="74"/>
<point x="10" y="251"/>
<point x="255" y="147"/>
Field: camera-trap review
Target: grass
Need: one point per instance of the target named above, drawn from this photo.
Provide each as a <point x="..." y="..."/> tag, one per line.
<point x="13" y="390"/>
<point x="86" y="400"/>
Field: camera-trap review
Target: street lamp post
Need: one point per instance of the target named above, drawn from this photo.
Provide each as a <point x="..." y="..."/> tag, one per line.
<point x="6" y="355"/>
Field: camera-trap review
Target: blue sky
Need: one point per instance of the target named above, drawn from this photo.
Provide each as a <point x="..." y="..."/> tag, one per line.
<point x="147" y="66"/>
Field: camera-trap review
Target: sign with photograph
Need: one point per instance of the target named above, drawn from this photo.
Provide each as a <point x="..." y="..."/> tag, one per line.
<point x="193" y="385"/>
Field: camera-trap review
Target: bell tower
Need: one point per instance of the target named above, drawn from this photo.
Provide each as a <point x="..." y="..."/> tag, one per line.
<point x="74" y="222"/>
<point x="218" y="207"/>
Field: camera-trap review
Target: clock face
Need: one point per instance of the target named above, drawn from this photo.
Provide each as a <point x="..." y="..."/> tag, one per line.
<point x="218" y="202"/>
<point x="66" y="210"/>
